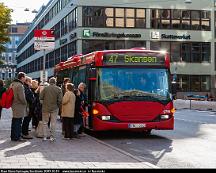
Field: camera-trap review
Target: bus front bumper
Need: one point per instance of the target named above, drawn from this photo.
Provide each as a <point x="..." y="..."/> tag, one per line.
<point x="100" y="125"/>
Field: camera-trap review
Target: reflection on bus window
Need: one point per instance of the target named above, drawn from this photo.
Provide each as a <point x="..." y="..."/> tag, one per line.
<point x="132" y="82"/>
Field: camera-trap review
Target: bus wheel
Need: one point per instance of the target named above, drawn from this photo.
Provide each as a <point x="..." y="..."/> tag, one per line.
<point x="147" y="132"/>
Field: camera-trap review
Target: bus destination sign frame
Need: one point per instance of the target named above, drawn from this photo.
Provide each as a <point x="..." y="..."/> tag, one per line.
<point x="132" y="58"/>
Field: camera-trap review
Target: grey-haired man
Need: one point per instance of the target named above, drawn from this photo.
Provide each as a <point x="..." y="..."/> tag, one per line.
<point x="51" y="97"/>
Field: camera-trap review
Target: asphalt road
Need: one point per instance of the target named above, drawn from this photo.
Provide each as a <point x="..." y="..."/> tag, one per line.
<point x="191" y="145"/>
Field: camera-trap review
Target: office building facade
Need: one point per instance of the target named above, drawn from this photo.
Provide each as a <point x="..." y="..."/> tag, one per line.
<point x="184" y="28"/>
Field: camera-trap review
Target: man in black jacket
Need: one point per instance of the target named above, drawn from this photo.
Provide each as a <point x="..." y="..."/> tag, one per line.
<point x="30" y="100"/>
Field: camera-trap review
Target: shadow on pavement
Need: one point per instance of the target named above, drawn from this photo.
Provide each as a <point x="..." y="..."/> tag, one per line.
<point x="84" y="149"/>
<point x="150" y="148"/>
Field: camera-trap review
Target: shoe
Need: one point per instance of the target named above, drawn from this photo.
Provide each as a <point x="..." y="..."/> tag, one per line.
<point x="45" y="139"/>
<point x="65" y="138"/>
<point x="21" y="140"/>
<point x="52" y="139"/>
<point x="18" y="140"/>
<point x="77" y="136"/>
<point x="82" y="135"/>
<point x="27" y="137"/>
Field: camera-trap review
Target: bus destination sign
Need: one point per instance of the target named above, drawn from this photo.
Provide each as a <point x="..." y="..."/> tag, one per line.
<point x="133" y="59"/>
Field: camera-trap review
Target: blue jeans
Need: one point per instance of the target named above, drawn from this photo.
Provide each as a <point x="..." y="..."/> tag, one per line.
<point x="16" y="129"/>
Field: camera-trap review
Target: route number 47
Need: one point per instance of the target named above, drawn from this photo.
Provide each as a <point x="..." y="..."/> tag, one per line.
<point x="113" y="58"/>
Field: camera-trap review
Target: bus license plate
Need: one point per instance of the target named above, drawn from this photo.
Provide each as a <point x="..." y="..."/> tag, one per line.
<point x="136" y="125"/>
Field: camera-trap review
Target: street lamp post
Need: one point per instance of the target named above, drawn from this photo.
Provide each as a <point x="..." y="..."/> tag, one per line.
<point x="44" y="67"/>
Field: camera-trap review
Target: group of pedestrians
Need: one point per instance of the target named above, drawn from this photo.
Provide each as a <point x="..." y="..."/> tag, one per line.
<point x="40" y="104"/>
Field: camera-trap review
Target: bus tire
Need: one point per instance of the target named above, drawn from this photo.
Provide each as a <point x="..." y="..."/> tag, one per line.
<point x="147" y="132"/>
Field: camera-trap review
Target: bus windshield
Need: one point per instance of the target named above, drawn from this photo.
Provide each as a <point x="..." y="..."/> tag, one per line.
<point x="133" y="84"/>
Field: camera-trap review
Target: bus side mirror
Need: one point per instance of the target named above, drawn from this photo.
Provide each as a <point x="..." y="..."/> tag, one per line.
<point x="92" y="74"/>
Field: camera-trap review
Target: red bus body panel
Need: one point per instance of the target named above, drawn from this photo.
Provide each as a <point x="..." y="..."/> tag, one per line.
<point x="123" y="112"/>
<point x="129" y="112"/>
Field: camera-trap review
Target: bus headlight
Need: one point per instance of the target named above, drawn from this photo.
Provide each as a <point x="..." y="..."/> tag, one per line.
<point x="105" y="118"/>
<point x="164" y="117"/>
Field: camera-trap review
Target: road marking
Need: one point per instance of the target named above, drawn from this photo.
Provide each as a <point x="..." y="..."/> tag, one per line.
<point x="199" y="122"/>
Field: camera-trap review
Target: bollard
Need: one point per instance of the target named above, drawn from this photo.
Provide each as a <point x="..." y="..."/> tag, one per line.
<point x="190" y="103"/>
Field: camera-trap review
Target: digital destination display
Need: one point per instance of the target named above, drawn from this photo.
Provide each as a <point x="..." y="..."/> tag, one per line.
<point x="129" y="58"/>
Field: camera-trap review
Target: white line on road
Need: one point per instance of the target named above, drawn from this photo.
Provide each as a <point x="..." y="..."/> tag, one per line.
<point x="191" y="121"/>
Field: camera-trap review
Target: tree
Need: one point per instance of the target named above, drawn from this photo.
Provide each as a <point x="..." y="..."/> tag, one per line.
<point x="1" y="62"/>
<point x="5" y="19"/>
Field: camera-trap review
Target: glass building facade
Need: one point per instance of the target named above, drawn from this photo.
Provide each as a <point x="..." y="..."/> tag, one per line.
<point x="8" y="69"/>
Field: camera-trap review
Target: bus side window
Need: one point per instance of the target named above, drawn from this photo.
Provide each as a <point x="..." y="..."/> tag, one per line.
<point x="75" y="78"/>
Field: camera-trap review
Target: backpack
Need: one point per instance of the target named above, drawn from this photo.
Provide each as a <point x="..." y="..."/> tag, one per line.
<point x="7" y="98"/>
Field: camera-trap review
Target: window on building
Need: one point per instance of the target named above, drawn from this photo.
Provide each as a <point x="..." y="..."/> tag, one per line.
<point x="72" y="20"/>
<point x="155" y="45"/>
<point x="140" y="18"/>
<point x="206" y="51"/>
<point x="205" y="83"/>
<point x="64" y="24"/>
<point x="183" y="82"/>
<point x="114" y="17"/>
<point x="72" y="50"/>
<point x="175" y="52"/>
<point x="180" y="19"/>
<point x="57" y="30"/>
<point x="64" y="53"/>
<point x="57" y="56"/>
<point x="195" y="83"/>
<point x="3" y="76"/>
<point x="47" y="61"/>
<point x="109" y="12"/>
<point x="93" y="45"/>
<point x="205" y="20"/>
<point x="186" y="52"/>
<point x="196" y="52"/>
<point x="176" y="19"/>
<point x="165" y="19"/>
<point x="130" y="18"/>
<point x="14" y="29"/>
<point x="51" y="59"/>
<point x="195" y="20"/>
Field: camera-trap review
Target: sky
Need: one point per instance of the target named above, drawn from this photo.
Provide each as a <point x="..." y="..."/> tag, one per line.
<point x="19" y="15"/>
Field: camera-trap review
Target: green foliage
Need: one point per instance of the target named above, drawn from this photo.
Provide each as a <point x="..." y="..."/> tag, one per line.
<point x="5" y="19"/>
<point x="1" y="62"/>
<point x="8" y="82"/>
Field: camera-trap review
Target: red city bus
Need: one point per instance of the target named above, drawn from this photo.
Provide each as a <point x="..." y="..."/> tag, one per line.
<point x="126" y="89"/>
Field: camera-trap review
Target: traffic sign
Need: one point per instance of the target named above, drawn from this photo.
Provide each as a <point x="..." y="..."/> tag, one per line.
<point x="39" y="45"/>
<point x="45" y="35"/>
<point x="44" y="39"/>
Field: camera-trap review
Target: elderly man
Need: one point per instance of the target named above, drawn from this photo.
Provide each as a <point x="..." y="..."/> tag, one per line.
<point x="51" y="97"/>
<point x="18" y="106"/>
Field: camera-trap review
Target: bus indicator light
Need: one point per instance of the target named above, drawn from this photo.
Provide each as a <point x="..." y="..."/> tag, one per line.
<point x="95" y="111"/>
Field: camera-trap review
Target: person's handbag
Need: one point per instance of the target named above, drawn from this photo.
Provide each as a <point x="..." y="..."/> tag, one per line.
<point x="39" y="130"/>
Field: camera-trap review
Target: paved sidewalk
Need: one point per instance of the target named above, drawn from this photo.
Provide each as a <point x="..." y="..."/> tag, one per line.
<point x="85" y="153"/>
<point x="194" y="104"/>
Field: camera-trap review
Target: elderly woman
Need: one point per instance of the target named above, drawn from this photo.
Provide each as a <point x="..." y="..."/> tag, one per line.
<point x="68" y="109"/>
<point x="34" y="113"/>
